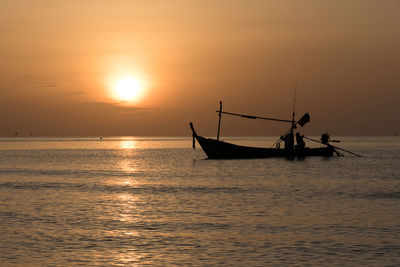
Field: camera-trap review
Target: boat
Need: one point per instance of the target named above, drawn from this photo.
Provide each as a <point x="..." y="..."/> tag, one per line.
<point x="217" y="149"/>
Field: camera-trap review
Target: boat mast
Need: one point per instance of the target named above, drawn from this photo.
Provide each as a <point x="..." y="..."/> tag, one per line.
<point x="293" y="114"/>
<point x="219" y="120"/>
<point x="289" y="138"/>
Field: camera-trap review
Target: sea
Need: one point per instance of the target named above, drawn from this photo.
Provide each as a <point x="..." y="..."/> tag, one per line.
<point x="155" y="201"/>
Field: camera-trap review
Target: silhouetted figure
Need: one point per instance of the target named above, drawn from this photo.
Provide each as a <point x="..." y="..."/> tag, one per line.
<point x="289" y="141"/>
<point x="299" y="140"/>
<point x="325" y="138"/>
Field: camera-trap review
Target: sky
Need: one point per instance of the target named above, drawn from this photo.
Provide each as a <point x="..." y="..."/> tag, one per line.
<point x="61" y="63"/>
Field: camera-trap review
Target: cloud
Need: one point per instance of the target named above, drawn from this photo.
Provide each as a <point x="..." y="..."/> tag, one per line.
<point x="112" y="106"/>
<point x="47" y="84"/>
<point x="75" y="93"/>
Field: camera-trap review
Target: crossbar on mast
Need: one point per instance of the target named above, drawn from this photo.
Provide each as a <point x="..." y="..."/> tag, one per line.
<point x="252" y="117"/>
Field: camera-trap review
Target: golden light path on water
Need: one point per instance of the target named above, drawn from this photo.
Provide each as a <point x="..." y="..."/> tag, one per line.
<point x="128" y="144"/>
<point x="127" y="211"/>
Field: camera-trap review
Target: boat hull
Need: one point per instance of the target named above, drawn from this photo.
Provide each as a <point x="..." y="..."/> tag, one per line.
<point x="215" y="149"/>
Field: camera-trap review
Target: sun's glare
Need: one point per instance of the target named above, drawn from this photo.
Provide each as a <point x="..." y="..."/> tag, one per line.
<point x="128" y="90"/>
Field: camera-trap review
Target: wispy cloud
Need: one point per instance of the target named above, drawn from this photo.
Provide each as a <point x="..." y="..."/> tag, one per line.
<point x="115" y="106"/>
<point x="48" y="84"/>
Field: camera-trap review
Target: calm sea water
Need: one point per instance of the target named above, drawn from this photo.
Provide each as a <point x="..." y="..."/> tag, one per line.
<point x="155" y="201"/>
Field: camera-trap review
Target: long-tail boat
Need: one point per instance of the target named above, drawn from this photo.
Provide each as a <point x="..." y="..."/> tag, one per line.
<point x="217" y="149"/>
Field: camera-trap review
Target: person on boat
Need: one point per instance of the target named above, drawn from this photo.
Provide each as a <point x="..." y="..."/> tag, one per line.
<point x="325" y="138"/>
<point x="289" y="141"/>
<point x="300" y="140"/>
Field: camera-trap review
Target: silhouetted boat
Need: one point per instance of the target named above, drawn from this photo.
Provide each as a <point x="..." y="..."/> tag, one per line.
<point x="216" y="149"/>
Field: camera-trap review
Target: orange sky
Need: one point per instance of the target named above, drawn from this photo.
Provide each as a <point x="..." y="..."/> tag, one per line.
<point x="60" y="59"/>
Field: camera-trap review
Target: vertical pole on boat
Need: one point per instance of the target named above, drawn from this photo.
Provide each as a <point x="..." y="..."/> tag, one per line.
<point x="294" y="102"/>
<point x="293" y="114"/>
<point x="293" y="126"/>
<point x="219" y="120"/>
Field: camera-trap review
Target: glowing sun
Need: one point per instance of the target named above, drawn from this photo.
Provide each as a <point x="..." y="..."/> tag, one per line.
<point x="128" y="90"/>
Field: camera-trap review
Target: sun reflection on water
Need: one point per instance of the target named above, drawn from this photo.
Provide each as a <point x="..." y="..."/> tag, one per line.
<point x="128" y="209"/>
<point x="128" y="144"/>
<point x="127" y="213"/>
<point x="127" y="166"/>
<point x="130" y="257"/>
